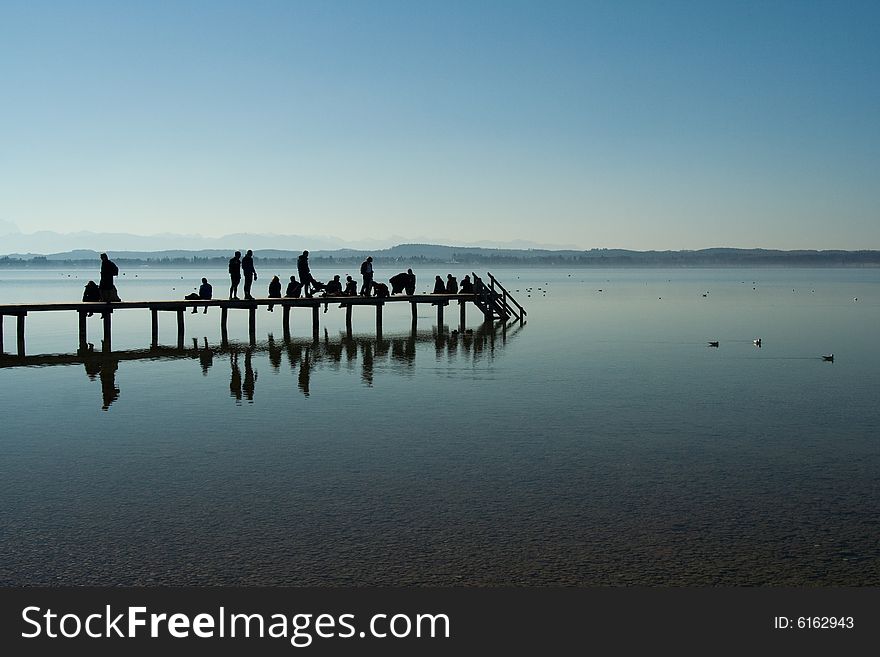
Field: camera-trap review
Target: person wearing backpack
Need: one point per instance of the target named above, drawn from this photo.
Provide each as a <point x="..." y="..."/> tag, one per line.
<point x="105" y="286"/>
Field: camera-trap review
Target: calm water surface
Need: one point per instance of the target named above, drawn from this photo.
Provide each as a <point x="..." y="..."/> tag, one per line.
<point x="602" y="442"/>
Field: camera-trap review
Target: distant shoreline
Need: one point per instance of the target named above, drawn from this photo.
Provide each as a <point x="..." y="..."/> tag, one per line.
<point x="434" y="255"/>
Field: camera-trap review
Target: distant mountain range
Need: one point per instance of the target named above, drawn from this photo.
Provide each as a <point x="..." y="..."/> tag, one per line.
<point x="12" y="241"/>
<point x="466" y="256"/>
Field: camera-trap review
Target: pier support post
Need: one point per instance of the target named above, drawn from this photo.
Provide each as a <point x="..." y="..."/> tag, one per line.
<point x="440" y="316"/>
<point x="154" y="327"/>
<point x="108" y="344"/>
<point x="252" y="324"/>
<point x="285" y="321"/>
<point x="315" y="321"/>
<point x="348" y="320"/>
<point x="83" y="336"/>
<point x="180" y="328"/>
<point x="379" y="320"/>
<point x="224" y="335"/>
<point x="462" y="304"/>
<point x="20" y="333"/>
<point x="1" y="334"/>
<point x="415" y="314"/>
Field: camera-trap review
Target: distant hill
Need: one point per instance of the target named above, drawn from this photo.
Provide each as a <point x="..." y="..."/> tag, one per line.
<point x="401" y="254"/>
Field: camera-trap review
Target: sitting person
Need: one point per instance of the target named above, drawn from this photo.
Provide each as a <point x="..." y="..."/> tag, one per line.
<point x="466" y="286"/>
<point x="351" y="287"/>
<point x="294" y="288"/>
<point x="206" y="292"/>
<point x="333" y="288"/>
<point x="439" y="287"/>
<point x="405" y="280"/>
<point x="381" y="290"/>
<point x="91" y="293"/>
<point x="451" y="284"/>
<point x="274" y="291"/>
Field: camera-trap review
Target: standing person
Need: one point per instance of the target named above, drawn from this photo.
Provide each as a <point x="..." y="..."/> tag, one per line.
<point x="234" y="274"/>
<point x="250" y="274"/>
<point x="305" y="274"/>
<point x="106" y="286"/>
<point x="367" y="273"/>
<point x="274" y="291"/>
<point x="411" y="285"/>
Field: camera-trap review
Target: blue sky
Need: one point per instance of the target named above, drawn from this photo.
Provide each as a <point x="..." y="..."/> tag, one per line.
<point x="647" y="125"/>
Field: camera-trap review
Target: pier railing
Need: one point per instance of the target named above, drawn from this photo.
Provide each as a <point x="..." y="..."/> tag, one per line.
<point x="495" y="301"/>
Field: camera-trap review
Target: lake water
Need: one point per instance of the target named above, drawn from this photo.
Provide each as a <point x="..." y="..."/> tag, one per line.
<point x="603" y="442"/>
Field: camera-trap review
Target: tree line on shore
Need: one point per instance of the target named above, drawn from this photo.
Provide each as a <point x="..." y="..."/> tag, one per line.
<point x="479" y="257"/>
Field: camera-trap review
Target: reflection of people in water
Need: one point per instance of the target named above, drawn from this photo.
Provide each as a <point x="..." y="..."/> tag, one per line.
<point x="104" y="367"/>
<point x="235" y="379"/>
<point x="274" y="353"/>
<point x="206" y="355"/>
<point x="305" y="371"/>
<point x="367" y="358"/>
<point x="250" y="376"/>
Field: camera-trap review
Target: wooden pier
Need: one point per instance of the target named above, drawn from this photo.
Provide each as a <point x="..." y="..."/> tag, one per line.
<point x="492" y="301"/>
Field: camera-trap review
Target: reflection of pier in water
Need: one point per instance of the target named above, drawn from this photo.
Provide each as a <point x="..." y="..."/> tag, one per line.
<point x="302" y="356"/>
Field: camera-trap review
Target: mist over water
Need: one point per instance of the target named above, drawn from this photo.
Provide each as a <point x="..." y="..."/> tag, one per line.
<point x="602" y="442"/>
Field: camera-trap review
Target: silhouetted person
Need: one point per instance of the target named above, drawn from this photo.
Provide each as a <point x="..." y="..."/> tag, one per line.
<point x="400" y="282"/>
<point x="381" y="290"/>
<point x="106" y="287"/>
<point x="367" y="273"/>
<point x="466" y="286"/>
<point x="294" y="288"/>
<point x="439" y="285"/>
<point x="234" y="274"/>
<point x="351" y="287"/>
<point x="333" y="289"/>
<point x="451" y="284"/>
<point x="250" y="274"/>
<point x="411" y="286"/>
<point x="305" y="274"/>
<point x="206" y="292"/>
<point x="91" y="293"/>
<point x="274" y="291"/>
